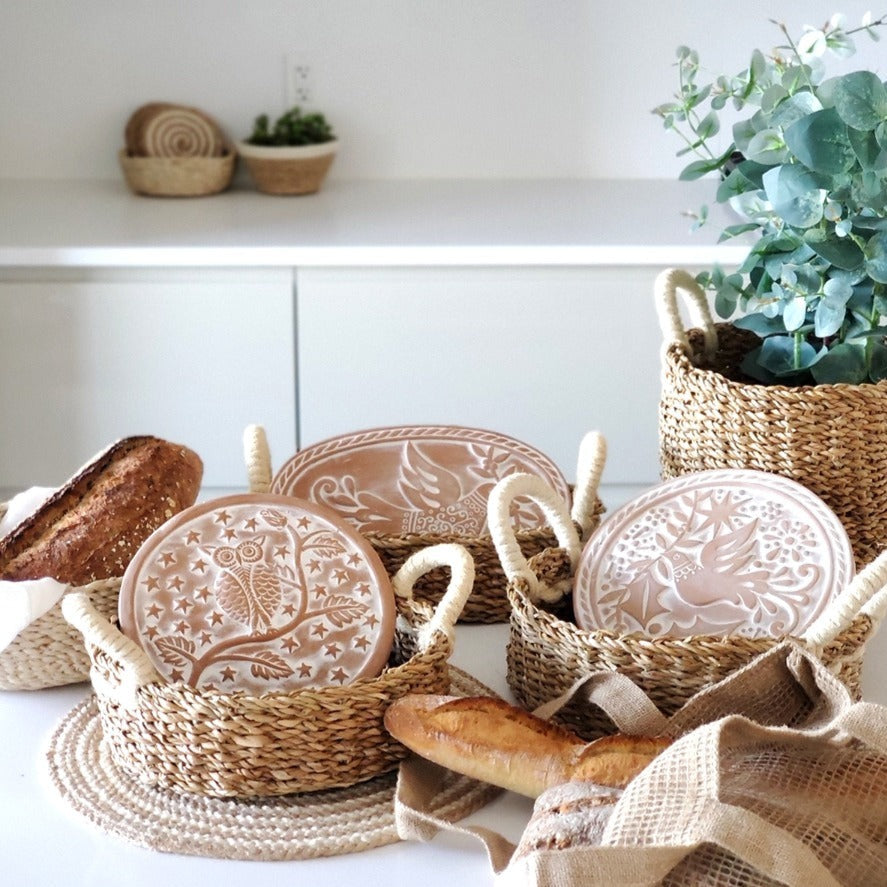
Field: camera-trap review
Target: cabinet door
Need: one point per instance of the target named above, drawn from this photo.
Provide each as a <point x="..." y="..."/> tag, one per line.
<point x="542" y="354"/>
<point x="192" y="356"/>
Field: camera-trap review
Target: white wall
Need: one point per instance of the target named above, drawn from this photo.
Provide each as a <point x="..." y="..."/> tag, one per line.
<point x="416" y="88"/>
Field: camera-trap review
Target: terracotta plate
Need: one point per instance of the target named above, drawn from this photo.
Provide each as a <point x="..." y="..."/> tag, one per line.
<point x="259" y="593"/>
<point x="416" y="479"/>
<point x="717" y="552"/>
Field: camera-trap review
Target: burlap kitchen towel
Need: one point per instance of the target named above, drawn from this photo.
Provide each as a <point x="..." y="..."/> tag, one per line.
<point x="776" y="778"/>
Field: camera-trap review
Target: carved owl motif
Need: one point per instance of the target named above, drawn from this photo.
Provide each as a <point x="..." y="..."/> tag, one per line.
<point x="247" y="588"/>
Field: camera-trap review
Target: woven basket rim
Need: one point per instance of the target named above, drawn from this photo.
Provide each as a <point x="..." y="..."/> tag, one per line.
<point x="682" y="356"/>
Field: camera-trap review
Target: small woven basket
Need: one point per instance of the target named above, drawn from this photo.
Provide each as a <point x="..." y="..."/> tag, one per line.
<point x="173" y="736"/>
<point x="178" y="176"/>
<point x="49" y="652"/>
<point x="548" y="653"/>
<point x="488" y="602"/>
<point x="288" y="170"/>
<point x="832" y="439"/>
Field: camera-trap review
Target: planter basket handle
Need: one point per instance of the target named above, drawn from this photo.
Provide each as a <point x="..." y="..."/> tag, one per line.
<point x="512" y="558"/>
<point x="668" y="284"/>
<point x="461" y="565"/>
<point x="866" y="595"/>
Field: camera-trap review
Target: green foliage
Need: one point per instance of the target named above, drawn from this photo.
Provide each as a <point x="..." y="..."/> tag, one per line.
<point x="291" y="128"/>
<point x="807" y="169"/>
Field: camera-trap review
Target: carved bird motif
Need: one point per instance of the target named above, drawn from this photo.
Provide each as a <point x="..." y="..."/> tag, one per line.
<point x="717" y="580"/>
<point x="247" y="588"/>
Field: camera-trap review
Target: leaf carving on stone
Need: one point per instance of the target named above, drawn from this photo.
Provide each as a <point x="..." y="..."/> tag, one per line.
<point x="176" y="650"/>
<point x="326" y="545"/>
<point x="341" y="610"/>
<point x="268" y="666"/>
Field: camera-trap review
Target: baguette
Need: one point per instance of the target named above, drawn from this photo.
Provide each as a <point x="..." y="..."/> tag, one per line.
<point x="490" y="740"/>
<point x="91" y="527"/>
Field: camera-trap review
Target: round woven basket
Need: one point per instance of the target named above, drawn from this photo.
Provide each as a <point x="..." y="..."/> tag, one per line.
<point x="832" y="439"/>
<point x="287" y="170"/>
<point x="173" y="736"/>
<point x="178" y="176"/>
<point x="50" y="652"/>
<point x="488" y="602"/>
<point x="548" y="653"/>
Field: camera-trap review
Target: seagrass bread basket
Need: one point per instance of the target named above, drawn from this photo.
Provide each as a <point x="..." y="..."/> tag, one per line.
<point x="238" y="745"/>
<point x="178" y="176"/>
<point x="547" y="653"/>
<point x="832" y="439"/>
<point x="488" y="602"/>
<point x="49" y="652"/>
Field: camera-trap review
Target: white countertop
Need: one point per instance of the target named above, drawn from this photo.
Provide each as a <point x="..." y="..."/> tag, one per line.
<point x="100" y="223"/>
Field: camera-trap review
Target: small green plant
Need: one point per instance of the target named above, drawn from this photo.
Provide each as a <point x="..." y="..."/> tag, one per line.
<point x="807" y="171"/>
<point x="291" y="128"/>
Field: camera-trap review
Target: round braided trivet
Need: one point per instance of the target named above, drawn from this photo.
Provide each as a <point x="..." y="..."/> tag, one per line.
<point x="303" y="826"/>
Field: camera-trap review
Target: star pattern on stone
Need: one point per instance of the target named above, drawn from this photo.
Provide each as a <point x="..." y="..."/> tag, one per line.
<point x="332" y="650"/>
<point x="223" y="517"/>
<point x="167" y="559"/>
<point x="228" y="673"/>
<point x="199" y="566"/>
<point x="183" y="604"/>
<point x="320" y="630"/>
<point x="290" y="644"/>
<point x="192" y="538"/>
<point x="339" y="675"/>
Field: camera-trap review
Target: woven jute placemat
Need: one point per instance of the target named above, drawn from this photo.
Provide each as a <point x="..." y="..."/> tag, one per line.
<point x="302" y="826"/>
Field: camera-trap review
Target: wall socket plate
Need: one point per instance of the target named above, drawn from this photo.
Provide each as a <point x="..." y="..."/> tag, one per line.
<point x="298" y="86"/>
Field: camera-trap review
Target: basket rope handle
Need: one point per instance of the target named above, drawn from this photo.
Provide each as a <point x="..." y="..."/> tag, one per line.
<point x="507" y="547"/>
<point x="461" y="564"/>
<point x="668" y="284"/>
<point x="137" y="670"/>
<point x="257" y="457"/>
<point x="865" y="595"/>
<point x="590" y="467"/>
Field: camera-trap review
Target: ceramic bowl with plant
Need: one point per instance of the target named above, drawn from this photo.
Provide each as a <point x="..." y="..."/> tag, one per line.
<point x="292" y="156"/>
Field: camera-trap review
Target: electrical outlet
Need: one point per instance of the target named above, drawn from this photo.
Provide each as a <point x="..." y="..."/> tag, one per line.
<point x="297" y="85"/>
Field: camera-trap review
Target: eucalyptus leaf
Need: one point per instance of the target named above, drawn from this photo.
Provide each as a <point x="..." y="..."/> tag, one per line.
<point x="767" y="147"/>
<point x="838" y="251"/>
<point x="778" y="355"/>
<point x="876" y="257"/>
<point x="828" y="317"/>
<point x="865" y="146"/>
<point x="794" y="108"/>
<point x="795" y="313"/>
<point x="878" y="362"/>
<point x="843" y="363"/>
<point x="821" y="143"/>
<point x="860" y="100"/>
<point x="795" y="195"/>
<point x="760" y="324"/>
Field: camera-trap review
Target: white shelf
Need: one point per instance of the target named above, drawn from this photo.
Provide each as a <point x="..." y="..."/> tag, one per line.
<point x="71" y="224"/>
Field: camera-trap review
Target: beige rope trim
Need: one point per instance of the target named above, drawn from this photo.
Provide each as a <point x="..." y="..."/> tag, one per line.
<point x="590" y="467"/>
<point x="668" y="284"/>
<point x="865" y="595"/>
<point x="98" y="631"/>
<point x="499" y="519"/>
<point x="257" y="457"/>
<point x="461" y="564"/>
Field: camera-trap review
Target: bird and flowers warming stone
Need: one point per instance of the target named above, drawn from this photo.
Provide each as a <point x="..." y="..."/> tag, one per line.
<point x="715" y="552"/>
<point x="259" y="593"/>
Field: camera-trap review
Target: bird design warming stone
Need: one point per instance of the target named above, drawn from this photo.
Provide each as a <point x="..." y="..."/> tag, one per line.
<point x="417" y="478"/>
<point x="259" y="593"/>
<point x="728" y="551"/>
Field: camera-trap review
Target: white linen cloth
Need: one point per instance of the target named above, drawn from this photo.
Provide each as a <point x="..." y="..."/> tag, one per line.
<point x="21" y="602"/>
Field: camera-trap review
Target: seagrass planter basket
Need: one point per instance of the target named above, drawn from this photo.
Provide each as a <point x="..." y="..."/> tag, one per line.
<point x="178" y="176"/>
<point x="547" y="653"/>
<point x="832" y="439"/>
<point x="49" y="652"/>
<point x="488" y="602"/>
<point x="237" y="745"/>
<point x="288" y="169"/>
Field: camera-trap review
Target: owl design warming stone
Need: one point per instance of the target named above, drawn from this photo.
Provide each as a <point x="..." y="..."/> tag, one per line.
<point x="259" y="593"/>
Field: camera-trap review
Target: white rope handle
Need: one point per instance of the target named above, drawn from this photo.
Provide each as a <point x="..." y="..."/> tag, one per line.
<point x="137" y="670"/>
<point x="865" y="595"/>
<point x="258" y="459"/>
<point x="590" y="467"/>
<point x="447" y="612"/>
<point x="668" y="284"/>
<point x="502" y="532"/>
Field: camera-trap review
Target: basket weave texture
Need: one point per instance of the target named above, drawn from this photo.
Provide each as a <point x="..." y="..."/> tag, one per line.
<point x="50" y="652"/>
<point x="548" y="653"/>
<point x="174" y="736"/>
<point x="178" y="176"/>
<point x="289" y="175"/>
<point x="832" y="439"/>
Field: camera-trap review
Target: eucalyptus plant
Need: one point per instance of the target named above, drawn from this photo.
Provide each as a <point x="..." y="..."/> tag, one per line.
<point x="293" y="127"/>
<point x="806" y="171"/>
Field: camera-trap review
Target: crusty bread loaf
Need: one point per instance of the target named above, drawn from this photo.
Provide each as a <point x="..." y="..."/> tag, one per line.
<point x="92" y="526"/>
<point x="502" y="744"/>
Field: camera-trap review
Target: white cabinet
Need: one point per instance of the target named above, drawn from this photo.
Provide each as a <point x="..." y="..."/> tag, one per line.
<point x="192" y="355"/>
<point x="543" y="354"/>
